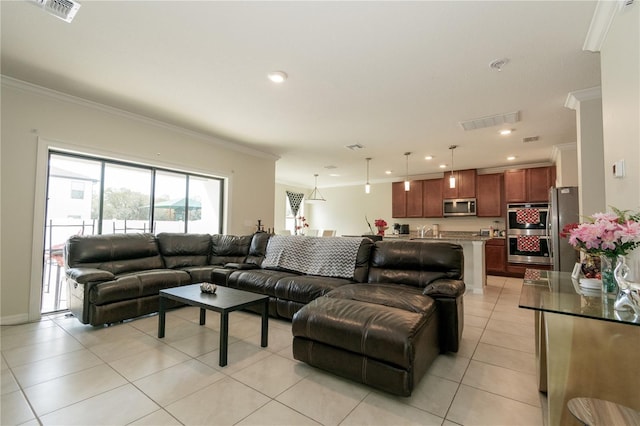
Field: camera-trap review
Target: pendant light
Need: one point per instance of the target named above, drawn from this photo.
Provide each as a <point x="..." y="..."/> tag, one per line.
<point x="452" y="179"/>
<point x="315" y="196"/>
<point x="367" y="186"/>
<point x="407" y="184"/>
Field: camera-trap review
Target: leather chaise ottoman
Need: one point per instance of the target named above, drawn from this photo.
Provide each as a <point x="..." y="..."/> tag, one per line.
<point x="382" y="335"/>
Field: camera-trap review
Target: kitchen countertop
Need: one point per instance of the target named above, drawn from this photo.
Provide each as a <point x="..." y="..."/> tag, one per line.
<point x="443" y="236"/>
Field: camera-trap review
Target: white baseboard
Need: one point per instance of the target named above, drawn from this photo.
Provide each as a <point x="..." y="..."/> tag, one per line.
<point x="14" y="319"/>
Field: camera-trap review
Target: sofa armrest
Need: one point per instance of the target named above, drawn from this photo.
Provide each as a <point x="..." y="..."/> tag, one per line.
<point x="444" y="288"/>
<point x="86" y="275"/>
<point x="233" y="265"/>
<point x="448" y="295"/>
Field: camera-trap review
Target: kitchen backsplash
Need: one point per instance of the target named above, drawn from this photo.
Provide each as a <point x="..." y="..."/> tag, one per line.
<point x="465" y="224"/>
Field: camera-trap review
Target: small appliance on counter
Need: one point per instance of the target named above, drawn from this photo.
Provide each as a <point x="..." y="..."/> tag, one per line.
<point x="404" y="229"/>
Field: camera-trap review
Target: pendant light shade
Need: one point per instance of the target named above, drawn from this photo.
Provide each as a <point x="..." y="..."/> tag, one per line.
<point x="315" y="196"/>
<point x="452" y="179"/>
<point x="407" y="184"/>
<point x="367" y="186"/>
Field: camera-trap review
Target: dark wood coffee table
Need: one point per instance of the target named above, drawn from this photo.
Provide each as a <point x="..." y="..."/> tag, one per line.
<point x="224" y="300"/>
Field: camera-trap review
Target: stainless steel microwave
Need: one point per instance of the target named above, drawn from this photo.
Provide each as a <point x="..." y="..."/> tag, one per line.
<point x="459" y="207"/>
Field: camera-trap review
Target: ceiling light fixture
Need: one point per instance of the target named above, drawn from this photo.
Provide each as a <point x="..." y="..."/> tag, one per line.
<point x="498" y="64"/>
<point x="429" y="157"/>
<point x="62" y="9"/>
<point x="452" y="179"/>
<point x="315" y="196"/>
<point x="505" y="132"/>
<point x="277" y="76"/>
<point x="367" y="186"/>
<point x="511" y="158"/>
<point x="407" y="184"/>
<point x="443" y="166"/>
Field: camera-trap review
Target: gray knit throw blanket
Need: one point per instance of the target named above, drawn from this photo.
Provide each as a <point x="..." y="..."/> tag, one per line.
<point x="325" y="256"/>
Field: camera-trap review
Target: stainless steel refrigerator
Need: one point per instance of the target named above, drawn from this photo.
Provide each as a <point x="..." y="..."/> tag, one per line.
<point x="563" y="210"/>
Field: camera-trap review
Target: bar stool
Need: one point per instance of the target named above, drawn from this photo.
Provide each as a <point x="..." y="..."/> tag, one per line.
<point x="598" y="412"/>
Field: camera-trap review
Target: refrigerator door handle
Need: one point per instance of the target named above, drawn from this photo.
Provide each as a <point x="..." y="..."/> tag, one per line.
<point x="548" y="224"/>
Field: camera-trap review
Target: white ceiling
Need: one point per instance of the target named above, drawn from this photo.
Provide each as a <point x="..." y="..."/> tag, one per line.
<point x="392" y="76"/>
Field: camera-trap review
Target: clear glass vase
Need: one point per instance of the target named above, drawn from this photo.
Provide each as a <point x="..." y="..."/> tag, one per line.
<point x="607" y="266"/>
<point x="628" y="298"/>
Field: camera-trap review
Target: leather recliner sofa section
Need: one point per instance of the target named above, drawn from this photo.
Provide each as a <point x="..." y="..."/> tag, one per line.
<point x="386" y="333"/>
<point x="115" y="277"/>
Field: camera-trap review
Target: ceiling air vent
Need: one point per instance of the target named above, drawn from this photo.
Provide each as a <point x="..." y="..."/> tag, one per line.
<point x="355" y="146"/>
<point x="494" y="120"/>
<point x="530" y="139"/>
<point x="62" y="9"/>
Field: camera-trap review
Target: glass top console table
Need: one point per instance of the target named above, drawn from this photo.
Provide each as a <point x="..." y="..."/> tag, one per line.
<point x="584" y="348"/>
<point x="558" y="292"/>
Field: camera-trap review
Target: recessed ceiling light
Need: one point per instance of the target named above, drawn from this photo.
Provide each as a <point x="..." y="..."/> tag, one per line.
<point x="277" y="76"/>
<point x="511" y="157"/>
<point x="443" y="166"/>
<point x="498" y="64"/>
<point x="505" y="132"/>
<point x="429" y="157"/>
<point x="388" y="172"/>
<point x="334" y="175"/>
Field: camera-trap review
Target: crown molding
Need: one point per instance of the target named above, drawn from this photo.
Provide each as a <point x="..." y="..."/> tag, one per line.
<point x="64" y="97"/>
<point x="557" y="149"/>
<point x="600" y="23"/>
<point x="574" y="98"/>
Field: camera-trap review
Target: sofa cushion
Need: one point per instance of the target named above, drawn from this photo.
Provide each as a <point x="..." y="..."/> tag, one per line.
<point x="261" y="281"/>
<point x="380" y="332"/>
<point x="415" y="263"/>
<point x="138" y="284"/>
<point x="393" y="295"/>
<point x="229" y="248"/>
<point x="116" y="253"/>
<point x="305" y="288"/>
<point x="180" y="250"/>
<point x="258" y="248"/>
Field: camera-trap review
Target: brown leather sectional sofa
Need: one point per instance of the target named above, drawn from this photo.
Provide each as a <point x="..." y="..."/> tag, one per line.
<point x="382" y="322"/>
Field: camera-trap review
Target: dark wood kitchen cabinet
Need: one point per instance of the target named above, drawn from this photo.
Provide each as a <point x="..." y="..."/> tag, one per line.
<point x="414" y="199"/>
<point x="495" y="256"/>
<point x="465" y="184"/>
<point x="406" y="203"/>
<point x="489" y="195"/>
<point x="398" y="200"/>
<point x="432" y="197"/>
<point x="515" y="186"/>
<point x="528" y="185"/>
<point x="539" y="180"/>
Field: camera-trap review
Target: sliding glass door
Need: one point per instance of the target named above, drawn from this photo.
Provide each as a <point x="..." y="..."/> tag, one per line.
<point x="88" y="195"/>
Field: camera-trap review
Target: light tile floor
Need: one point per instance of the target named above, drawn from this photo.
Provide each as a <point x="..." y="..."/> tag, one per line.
<point x="61" y="372"/>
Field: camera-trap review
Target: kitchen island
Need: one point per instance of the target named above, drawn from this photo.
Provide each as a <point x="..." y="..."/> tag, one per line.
<point x="473" y="246"/>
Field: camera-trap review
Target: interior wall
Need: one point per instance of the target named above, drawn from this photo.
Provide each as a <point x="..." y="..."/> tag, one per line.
<point x="591" y="148"/>
<point x="567" y="165"/>
<point x="31" y="115"/>
<point x="620" y="61"/>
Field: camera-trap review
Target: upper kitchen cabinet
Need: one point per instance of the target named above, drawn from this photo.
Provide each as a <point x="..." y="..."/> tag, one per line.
<point x="465" y="184"/>
<point x="539" y="180"/>
<point x="489" y="195"/>
<point x="528" y="185"/>
<point x="406" y="203"/>
<point x="432" y="197"/>
<point x="398" y="200"/>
